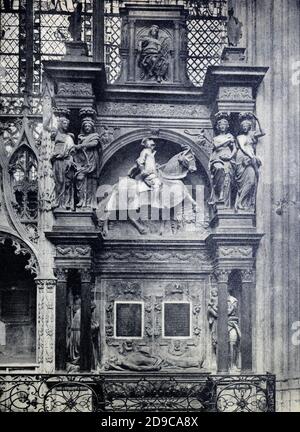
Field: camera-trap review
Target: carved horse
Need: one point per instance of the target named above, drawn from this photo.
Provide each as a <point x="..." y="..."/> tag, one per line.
<point x="131" y="195"/>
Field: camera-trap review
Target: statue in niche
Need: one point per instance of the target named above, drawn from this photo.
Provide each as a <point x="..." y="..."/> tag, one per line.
<point x="148" y="184"/>
<point x="63" y="163"/>
<point x="88" y="160"/>
<point x="75" y="21"/>
<point x="73" y="342"/>
<point x="134" y="359"/>
<point x="234" y="333"/>
<point x="95" y="332"/>
<point x="234" y="29"/>
<point x="153" y="55"/>
<point x="247" y="163"/>
<point x="222" y="161"/>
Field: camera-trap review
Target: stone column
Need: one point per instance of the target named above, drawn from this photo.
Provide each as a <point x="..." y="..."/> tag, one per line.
<point x="46" y="324"/>
<point x="247" y="277"/>
<point x="131" y="62"/>
<point x="61" y="319"/>
<point x="222" y="324"/>
<point x="85" y="322"/>
<point x="176" y="51"/>
<point x="98" y="30"/>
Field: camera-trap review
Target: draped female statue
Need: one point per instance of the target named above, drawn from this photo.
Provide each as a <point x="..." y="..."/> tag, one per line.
<point x="221" y="162"/>
<point x="247" y="163"/>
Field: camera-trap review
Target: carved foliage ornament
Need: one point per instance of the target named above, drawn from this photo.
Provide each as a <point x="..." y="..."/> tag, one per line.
<point x="235" y="93"/>
<point x="21" y="247"/>
<point x="74" y="89"/>
<point x="46" y="324"/>
<point x="73" y="251"/>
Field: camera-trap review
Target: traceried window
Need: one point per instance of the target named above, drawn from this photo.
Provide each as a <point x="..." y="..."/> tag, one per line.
<point x="24" y="183"/>
<point x="35" y="30"/>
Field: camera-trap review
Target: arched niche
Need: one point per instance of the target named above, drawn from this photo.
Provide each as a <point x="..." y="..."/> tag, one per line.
<point x="119" y="159"/>
<point x="18" y="304"/>
<point x="122" y="155"/>
<point x="163" y="135"/>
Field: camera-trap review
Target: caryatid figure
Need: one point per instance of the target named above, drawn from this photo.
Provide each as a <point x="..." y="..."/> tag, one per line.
<point x="221" y="164"/>
<point x="247" y="163"/>
<point x="63" y="163"/>
<point x="88" y="160"/>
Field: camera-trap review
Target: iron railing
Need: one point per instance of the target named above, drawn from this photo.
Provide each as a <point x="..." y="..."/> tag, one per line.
<point x="133" y="392"/>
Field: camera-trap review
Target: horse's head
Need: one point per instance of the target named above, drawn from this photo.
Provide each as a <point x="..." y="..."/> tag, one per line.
<point x="188" y="160"/>
<point x="179" y="165"/>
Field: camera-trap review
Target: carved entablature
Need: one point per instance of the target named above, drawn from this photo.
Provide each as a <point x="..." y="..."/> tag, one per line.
<point x="153" y="45"/>
<point x="73" y="251"/>
<point x="74" y="89"/>
<point x="237" y="93"/>
<point x="154" y="325"/>
<point x="241" y="252"/>
<point x="180" y="258"/>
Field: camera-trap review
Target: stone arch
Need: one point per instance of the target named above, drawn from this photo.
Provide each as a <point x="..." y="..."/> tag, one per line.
<point x="21" y="247"/>
<point x="168" y="135"/>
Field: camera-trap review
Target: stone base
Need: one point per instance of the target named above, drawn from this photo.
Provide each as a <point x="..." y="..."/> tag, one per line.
<point x="83" y="220"/>
<point x="227" y="220"/>
<point x="233" y="55"/>
<point x="76" y="51"/>
<point x="288" y="395"/>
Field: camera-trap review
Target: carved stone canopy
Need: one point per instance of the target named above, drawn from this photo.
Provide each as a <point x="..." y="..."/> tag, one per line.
<point x="76" y="83"/>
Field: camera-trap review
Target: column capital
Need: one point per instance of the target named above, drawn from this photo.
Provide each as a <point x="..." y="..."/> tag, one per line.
<point x="61" y="274"/>
<point x="86" y="274"/>
<point x="47" y="284"/>
<point x="248" y="275"/>
<point x="222" y="275"/>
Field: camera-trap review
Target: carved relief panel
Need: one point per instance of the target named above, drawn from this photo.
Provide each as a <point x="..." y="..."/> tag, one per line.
<point x="153" y="50"/>
<point x="154" y="325"/>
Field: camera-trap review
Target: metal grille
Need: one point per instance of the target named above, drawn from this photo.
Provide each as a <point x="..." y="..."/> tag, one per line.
<point x="206" y="38"/>
<point x="152" y="392"/>
<point x="112" y="46"/>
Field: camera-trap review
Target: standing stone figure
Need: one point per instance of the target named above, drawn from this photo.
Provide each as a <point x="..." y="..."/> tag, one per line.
<point x="221" y="164"/>
<point x="63" y="163"/>
<point x="73" y="344"/>
<point x="234" y="333"/>
<point x="234" y="29"/>
<point x="247" y="163"/>
<point x="75" y="21"/>
<point x="88" y="161"/>
<point x="153" y="56"/>
<point x="74" y="334"/>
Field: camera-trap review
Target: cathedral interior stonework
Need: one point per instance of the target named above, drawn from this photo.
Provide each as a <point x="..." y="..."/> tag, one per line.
<point x="149" y="206"/>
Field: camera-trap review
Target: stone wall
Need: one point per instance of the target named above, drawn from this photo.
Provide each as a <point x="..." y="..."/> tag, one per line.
<point x="271" y="34"/>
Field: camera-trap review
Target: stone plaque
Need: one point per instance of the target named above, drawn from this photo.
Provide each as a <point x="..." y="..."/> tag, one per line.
<point x="177" y="320"/>
<point x="128" y="319"/>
